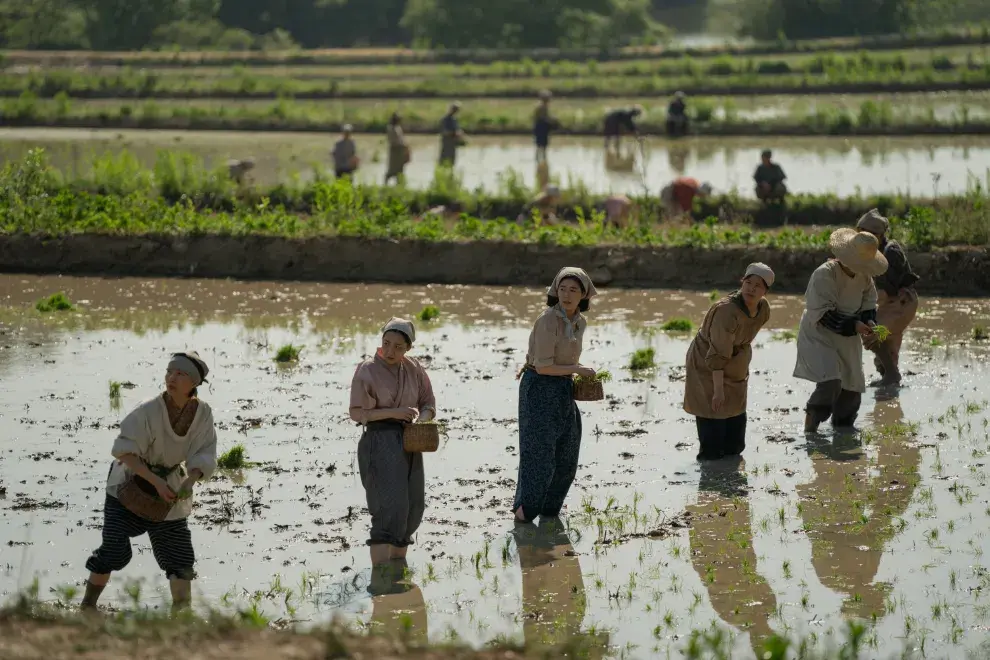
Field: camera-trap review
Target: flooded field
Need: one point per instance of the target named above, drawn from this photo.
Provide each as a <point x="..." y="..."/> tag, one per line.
<point x="843" y="166"/>
<point x="887" y="525"/>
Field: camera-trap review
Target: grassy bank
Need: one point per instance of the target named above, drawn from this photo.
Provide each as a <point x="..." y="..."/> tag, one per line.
<point x="824" y="75"/>
<point x="182" y="196"/>
<point x="710" y="117"/>
<point x="966" y="36"/>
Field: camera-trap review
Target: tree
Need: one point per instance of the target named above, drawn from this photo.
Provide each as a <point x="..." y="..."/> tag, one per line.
<point x="130" y="24"/>
<point x="51" y="24"/>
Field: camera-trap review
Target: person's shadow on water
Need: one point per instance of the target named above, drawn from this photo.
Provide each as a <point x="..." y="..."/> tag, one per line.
<point x="398" y="607"/>
<point x="722" y="552"/>
<point x="850" y="508"/>
<point x="553" y="596"/>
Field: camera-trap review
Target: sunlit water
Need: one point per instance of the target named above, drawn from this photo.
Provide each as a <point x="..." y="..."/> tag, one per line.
<point x="842" y="166"/>
<point x="814" y="531"/>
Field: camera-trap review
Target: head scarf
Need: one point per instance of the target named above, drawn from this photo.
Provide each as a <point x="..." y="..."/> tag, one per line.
<point x="586" y="284"/>
<point x="401" y="325"/>
<point x="760" y="270"/>
<point x="873" y="222"/>
<point x="190" y="364"/>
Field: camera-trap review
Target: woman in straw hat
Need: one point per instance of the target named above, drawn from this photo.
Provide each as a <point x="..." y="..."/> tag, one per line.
<point x="840" y="303"/>
<point x="165" y="446"/>
<point x="388" y="391"/>
<point x="897" y="300"/>
<point x="718" y="365"/>
<point x="549" y="419"/>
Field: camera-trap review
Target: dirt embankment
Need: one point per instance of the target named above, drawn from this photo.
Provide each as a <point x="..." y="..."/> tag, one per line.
<point x="954" y="271"/>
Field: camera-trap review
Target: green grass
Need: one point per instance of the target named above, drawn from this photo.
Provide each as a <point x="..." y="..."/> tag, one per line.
<point x="678" y="324"/>
<point x="644" y="358"/>
<point x="234" y="458"/>
<point x="429" y="313"/>
<point x="115" y="389"/>
<point x="57" y="302"/>
<point x="980" y="333"/>
<point x="288" y="353"/>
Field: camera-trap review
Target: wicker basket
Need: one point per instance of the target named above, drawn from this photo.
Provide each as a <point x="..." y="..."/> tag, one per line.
<point x="585" y="390"/>
<point x="138" y="501"/>
<point x="420" y="438"/>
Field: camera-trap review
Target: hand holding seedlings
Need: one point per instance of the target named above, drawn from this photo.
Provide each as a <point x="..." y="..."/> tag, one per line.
<point x="162" y="489"/>
<point x="864" y="329"/>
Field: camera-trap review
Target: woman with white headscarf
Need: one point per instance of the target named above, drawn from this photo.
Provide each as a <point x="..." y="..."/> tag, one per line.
<point x="549" y="419"/>
<point x="840" y="310"/>
<point x="165" y="446"/>
<point x="388" y="391"/>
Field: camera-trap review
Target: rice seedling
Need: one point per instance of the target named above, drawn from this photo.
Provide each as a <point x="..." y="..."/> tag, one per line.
<point x="882" y="332"/>
<point x="57" y="302"/>
<point x="980" y="333"/>
<point x="644" y="358"/>
<point x="115" y="389"/>
<point x="429" y="313"/>
<point x="714" y="295"/>
<point x="287" y="354"/>
<point x="234" y="458"/>
<point x="785" y="335"/>
<point x="602" y="376"/>
<point x="678" y="324"/>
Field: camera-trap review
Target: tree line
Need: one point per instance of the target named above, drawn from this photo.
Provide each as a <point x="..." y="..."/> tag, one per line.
<point x="285" y="24"/>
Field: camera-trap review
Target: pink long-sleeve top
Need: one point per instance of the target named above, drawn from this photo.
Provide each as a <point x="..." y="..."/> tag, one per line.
<point x="378" y="385"/>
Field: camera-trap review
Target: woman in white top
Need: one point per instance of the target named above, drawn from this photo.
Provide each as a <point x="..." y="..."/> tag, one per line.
<point x="165" y="446"/>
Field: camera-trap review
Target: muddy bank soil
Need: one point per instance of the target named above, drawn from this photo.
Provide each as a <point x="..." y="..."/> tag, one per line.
<point x="954" y="271"/>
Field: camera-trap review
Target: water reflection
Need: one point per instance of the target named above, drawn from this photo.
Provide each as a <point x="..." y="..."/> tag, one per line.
<point x="850" y="508"/>
<point x="398" y="607"/>
<point x="553" y="596"/>
<point x="722" y="550"/>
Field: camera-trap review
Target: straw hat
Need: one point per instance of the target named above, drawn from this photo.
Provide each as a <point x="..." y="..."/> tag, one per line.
<point x="858" y="251"/>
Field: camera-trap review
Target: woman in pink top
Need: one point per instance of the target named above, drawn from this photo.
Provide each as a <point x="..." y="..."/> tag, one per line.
<point x="389" y="391"/>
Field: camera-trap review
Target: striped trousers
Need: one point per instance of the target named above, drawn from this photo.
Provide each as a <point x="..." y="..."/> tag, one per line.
<point x="171" y="542"/>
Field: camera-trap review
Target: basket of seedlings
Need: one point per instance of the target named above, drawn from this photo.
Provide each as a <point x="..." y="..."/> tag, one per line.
<point x="591" y="389"/>
<point x="421" y="437"/>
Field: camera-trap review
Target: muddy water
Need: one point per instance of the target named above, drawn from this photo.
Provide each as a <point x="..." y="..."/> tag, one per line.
<point x="813" y="165"/>
<point x="804" y="534"/>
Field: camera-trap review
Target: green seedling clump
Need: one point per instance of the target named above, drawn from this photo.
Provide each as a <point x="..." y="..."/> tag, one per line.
<point x="678" y="324"/>
<point x="57" y="302"/>
<point x="882" y="332"/>
<point x="429" y="313"/>
<point x="115" y="389"/>
<point x="603" y="376"/>
<point x="980" y="333"/>
<point x="288" y="353"/>
<point x="644" y="358"/>
<point x="233" y="459"/>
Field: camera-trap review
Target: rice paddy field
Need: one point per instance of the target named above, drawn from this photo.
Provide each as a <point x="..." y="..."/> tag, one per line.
<point x="883" y="527"/>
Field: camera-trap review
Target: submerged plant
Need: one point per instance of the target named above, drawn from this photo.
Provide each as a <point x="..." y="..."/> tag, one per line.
<point x="57" y="302"/>
<point x="644" y="358"/>
<point x="429" y="313"/>
<point x="234" y="458"/>
<point x="785" y="335"/>
<point x="288" y="353"/>
<point x="678" y="324"/>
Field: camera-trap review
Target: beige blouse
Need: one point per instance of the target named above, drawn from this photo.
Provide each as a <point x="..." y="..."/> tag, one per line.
<point x="377" y="385"/>
<point x="549" y="342"/>
<point x="724" y="343"/>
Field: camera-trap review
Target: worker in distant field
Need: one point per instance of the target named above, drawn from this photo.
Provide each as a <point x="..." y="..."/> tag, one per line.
<point x="617" y="210"/>
<point x="769" y="179"/>
<point x="617" y="120"/>
<point x="543" y="123"/>
<point x="238" y="169"/>
<point x="449" y="213"/>
<point x="678" y="196"/>
<point x="345" y="159"/>
<point x="398" y="150"/>
<point x="451" y="135"/>
<point x="677" y="119"/>
<point x="544" y="205"/>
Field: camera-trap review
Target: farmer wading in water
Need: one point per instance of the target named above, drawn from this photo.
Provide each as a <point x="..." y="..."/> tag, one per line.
<point x="549" y="419"/>
<point x="897" y="300"/>
<point x="840" y="303"/>
<point x="389" y="391"/>
<point x="159" y="442"/>
<point x="717" y="374"/>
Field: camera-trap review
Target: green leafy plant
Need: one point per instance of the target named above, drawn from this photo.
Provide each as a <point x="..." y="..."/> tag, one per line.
<point x="234" y="458"/>
<point x="678" y="324"/>
<point x="644" y="358"/>
<point x="603" y="376"/>
<point x="287" y="354"/>
<point x="57" y="302"/>
<point x="429" y="313"/>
